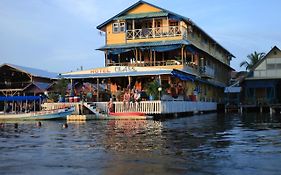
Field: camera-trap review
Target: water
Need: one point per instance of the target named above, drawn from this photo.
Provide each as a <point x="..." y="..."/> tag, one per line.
<point x="204" y="144"/>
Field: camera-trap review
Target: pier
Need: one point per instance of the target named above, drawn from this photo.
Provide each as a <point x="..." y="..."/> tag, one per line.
<point x="85" y="111"/>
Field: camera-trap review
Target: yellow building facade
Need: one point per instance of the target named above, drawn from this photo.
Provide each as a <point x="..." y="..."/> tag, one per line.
<point x="145" y="42"/>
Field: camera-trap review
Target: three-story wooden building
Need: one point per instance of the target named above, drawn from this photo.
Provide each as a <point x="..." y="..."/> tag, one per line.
<point x="145" y="41"/>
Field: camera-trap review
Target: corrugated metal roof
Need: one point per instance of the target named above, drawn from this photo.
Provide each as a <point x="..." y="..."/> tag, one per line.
<point x="42" y="86"/>
<point x="142" y="15"/>
<point x="144" y="44"/>
<point x="33" y="71"/>
<point x="117" y="74"/>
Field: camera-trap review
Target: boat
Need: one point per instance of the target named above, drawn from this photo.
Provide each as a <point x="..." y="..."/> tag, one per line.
<point x="38" y="115"/>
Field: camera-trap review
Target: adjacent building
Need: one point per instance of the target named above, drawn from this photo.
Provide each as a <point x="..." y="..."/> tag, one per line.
<point x="263" y="85"/>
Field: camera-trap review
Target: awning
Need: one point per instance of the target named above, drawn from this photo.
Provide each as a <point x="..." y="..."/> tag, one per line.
<point x="260" y="83"/>
<point x="117" y="74"/>
<point x="119" y="51"/>
<point x="165" y="48"/>
<point x="21" y="98"/>
<point x="232" y="89"/>
<point x="181" y="76"/>
<point x="144" y="45"/>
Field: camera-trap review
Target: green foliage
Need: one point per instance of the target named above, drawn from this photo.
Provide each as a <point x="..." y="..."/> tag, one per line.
<point x="61" y="87"/>
<point x="253" y="58"/>
<point x="152" y="89"/>
<point x="53" y="97"/>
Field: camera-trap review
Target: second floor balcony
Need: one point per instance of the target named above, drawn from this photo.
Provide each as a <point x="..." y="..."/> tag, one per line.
<point x="207" y="71"/>
<point x="156" y="32"/>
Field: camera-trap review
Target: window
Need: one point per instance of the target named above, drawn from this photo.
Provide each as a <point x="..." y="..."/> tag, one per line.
<point x="270" y="66"/>
<point x="122" y="26"/>
<point x="115" y="27"/>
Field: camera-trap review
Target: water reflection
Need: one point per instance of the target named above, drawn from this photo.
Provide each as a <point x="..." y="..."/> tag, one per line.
<point x="204" y="144"/>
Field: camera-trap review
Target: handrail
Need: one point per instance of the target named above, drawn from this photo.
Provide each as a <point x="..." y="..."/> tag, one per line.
<point x="156" y="32"/>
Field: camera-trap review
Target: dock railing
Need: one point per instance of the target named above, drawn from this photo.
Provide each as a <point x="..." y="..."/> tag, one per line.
<point x="149" y="107"/>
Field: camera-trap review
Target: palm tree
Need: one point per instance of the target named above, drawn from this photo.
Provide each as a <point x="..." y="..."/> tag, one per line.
<point x="253" y="58"/>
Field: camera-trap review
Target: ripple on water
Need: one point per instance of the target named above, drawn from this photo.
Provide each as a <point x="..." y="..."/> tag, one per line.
<point x="203" y="144"/>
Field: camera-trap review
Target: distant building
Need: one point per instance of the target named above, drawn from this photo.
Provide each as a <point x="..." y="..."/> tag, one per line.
<point x="20" y="80"/>
<point x="263" y="85"/>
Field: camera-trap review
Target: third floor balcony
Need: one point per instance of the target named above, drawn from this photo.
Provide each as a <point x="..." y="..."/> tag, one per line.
<point x="156" y="32"/>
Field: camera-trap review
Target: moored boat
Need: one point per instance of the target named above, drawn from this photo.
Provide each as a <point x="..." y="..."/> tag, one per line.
<point x="39" y="115"/>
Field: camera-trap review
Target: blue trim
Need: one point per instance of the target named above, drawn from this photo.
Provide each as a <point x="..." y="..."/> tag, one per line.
<point x="260" y="83"/>
<point x="181" y="76"/>
<point x="21" y="98"/>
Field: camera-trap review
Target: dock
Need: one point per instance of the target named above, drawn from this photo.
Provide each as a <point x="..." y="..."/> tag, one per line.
<point x="98" y="110"/>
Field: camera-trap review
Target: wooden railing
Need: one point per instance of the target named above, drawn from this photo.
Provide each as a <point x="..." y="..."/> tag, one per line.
<point x="207" y="71"/>
<point x="148" y="107"/>
<point x="157" y="32"/>
<point x="147" y="63"/>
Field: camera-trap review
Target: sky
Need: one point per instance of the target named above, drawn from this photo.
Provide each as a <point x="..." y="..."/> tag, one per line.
<point x="61" y="35"/>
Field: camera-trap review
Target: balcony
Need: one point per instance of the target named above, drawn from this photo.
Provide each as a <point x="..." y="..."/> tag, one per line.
<point x="157" y="32"/>
<point x="207" y="72"/>
<point x="146" y="63"/>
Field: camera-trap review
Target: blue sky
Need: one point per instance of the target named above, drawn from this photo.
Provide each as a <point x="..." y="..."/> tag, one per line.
<point x="61" y="35"/>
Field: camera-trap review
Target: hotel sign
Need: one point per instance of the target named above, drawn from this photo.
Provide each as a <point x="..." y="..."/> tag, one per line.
<point x="125" y="69"/>
<point x="113" y="69"/>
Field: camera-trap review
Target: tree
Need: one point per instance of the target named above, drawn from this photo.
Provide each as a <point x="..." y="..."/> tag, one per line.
<point x="253" y="58"/>
<point x="60" y="89"/>
<point x="152" y="89"/>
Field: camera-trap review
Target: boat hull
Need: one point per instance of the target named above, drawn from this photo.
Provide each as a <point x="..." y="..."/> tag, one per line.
<point x="43" y="115"/>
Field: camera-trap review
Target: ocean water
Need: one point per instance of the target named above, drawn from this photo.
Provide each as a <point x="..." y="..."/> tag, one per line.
<point x="202" y="144"/>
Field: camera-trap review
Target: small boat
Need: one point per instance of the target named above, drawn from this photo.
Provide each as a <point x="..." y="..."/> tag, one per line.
<point x="39" y="115"/>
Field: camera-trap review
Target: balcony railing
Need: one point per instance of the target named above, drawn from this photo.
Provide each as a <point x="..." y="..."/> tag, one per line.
<point x="207" y="71"/>
<point x="145" y="63"/>
<point x="157" y="32"/>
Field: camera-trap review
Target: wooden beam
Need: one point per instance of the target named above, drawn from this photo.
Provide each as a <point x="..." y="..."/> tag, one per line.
<point x="154" y="58"/>
<point x="182" y="54"/>
<point x="106" y="58"/>
<point x="97" y="89"/>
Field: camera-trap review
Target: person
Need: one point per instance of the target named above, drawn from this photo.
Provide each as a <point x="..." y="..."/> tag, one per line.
<point x="138" y="85"/>
<point x="137" y="98"/>
<point x="39" y="124"/>
<point x="110" y="105"/>
<point x="126" y="99"/>
<point x="65" y="125"/>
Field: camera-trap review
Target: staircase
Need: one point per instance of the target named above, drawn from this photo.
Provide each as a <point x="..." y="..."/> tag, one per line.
<point x="94" y="109"/>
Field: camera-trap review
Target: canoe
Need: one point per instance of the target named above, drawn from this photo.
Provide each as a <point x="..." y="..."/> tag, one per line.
<point x="40" y="115"/>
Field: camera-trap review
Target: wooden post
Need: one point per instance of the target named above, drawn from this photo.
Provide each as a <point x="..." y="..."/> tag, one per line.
<point x="129" y="80"/>
<point x="106" y="58"/>
<point x="153" y="28"/>
<point x="150" y="59"/>
<point x="34" y="104"/>
<point x="119" y="59"/>
<point x="154" y="57"/>
<point x="182" y="55"/>
<point x="26" y="106"/>
<point x="137" y="55"/>
<point x="97" y="89"/>
<point x="133" y="26"/>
